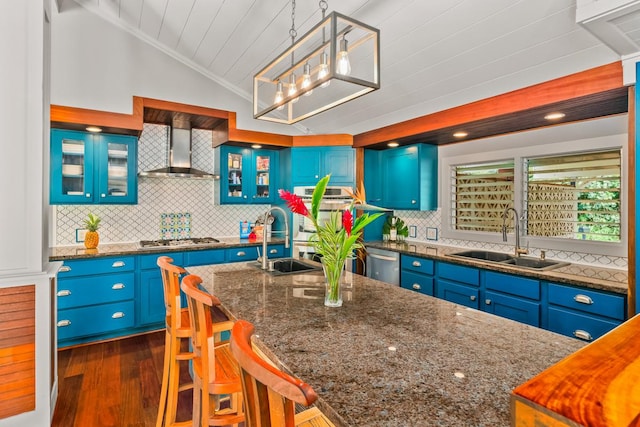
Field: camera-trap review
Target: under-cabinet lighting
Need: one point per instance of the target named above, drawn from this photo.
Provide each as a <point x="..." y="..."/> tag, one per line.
<point x="93" y="129"/>
<point x="460" y="134"/>
<point x="392" y="144"/>
<point x="554" y="116"/>
<point x="256" y="146"/>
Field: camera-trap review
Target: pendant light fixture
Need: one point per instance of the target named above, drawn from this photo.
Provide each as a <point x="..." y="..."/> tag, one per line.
<point x="339" y="55"/>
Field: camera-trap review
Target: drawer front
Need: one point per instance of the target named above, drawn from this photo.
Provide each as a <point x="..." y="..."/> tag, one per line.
<point x="512" y="308"/>
<point x="513" y="285"/>
<point x="242" y="254"/>
<point x="588" y="301"/>
<point x="151" y="261"/>
<point x="274" y="251"/>
<point x="460" y="294"/>
<point x="73" y="268"/>
<point x="417" y="282"/>
<point x="209" y="256"/>
<point x="459" y="273"/>
<point x="419" y="265"/>
<point x="92" y="290"/>
<point x="94" y="320"/>
<point x="582" y="326"/>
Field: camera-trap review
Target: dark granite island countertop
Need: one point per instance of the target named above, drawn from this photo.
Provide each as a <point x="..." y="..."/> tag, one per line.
<point x="388" y="356"/>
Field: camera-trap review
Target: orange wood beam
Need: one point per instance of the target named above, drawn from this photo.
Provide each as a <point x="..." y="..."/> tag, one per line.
<point x="323" y="140"/>
<point x="183" y="108"/>
<point x="587" y="82"/>
<point x="632" y="251"/>
<point x="250" y="136"/>
<point x="70" y="116"/>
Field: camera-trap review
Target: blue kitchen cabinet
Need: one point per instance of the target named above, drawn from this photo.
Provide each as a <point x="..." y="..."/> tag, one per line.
<point x="309" y="164"/>
<point x="150" y="301"/>
<point x="513" y="297"/>
<point x="247" y="175"/>
<point x="204" y="257"/>
<point x="373" y="176"/>
<point x="458" y="284"/>
<point x="88" y="168"/>
<point x="417" y="274"/>
<point x="409" y="177"/>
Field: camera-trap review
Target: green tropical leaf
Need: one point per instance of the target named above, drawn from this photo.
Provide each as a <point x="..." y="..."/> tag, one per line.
<point x="318" y="194"/>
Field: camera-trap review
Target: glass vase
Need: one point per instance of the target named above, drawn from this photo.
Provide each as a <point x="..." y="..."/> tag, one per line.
<point x="333" y="277"/>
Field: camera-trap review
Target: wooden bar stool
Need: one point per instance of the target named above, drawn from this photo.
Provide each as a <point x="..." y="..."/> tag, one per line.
<point x="215" y="371"/>
<point x="178" y="329"/>
<point x="270" y="394"/>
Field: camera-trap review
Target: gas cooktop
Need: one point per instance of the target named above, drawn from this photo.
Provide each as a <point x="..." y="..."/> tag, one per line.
<point x="164" y="243"/>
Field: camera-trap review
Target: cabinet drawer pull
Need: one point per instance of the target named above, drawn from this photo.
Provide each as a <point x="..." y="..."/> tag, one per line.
<point x="583" y="335"/>
<point x="416" y="286"/>
<point x="117" y="315"/>
<point x="583" y="299"/>
<point x="241" y="253"/>
<point x="117" y="264"/>
<point x="487" y="301"/>
<point x="413" y="202"/>
<point x="273" y="251"/>
<point x="64" y="293"/>
<point x="472" y="297"/>
<point x="87" y="195"/>
<point x="103" y="195"/>
<point x="62" y="323"/>
<point x="416" y="264"/>
<point x="64" y="269"/>
<point x="117" y="286"/>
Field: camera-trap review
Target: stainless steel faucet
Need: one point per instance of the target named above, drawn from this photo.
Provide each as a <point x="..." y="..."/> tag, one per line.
<point x="265" y="258"/>
<point x="518" y="250"/>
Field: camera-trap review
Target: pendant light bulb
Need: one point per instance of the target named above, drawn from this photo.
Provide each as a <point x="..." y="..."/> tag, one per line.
<point x="306" y="79"/>
<point x="293" y="88"/>
<point x="343" y="65"/>
<point x="279" y="95"/>
<point x="324" y="69"/>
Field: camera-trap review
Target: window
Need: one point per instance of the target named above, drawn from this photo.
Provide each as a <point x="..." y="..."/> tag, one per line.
<point x="574" y="196"/>
<point x="480" y="193"/>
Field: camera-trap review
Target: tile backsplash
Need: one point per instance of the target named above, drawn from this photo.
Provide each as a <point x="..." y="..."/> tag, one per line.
<point x="158" y="196"/>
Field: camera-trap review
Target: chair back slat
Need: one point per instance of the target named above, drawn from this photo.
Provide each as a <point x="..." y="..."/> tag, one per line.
<point x="171" y="284"/>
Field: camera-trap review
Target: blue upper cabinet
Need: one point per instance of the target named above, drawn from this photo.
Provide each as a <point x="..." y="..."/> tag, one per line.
<point x="403" y="177"/>
<point x="309" y="164"/>
<point x="247" y="175"/>
<point x="91" y="168"/>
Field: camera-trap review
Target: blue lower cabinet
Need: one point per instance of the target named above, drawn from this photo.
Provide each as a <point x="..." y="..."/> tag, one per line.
<point x="458" y="293"/>
<point x="512" y="308"/>
<point x="578" y="325"/>
<point x="151" y="307"/>
<point x="95" y="320"/>
<point x="248" y="253"/>
<point x="82" y="291"/>
<point x="417" y="282"/>
<point x="208" y="256"/>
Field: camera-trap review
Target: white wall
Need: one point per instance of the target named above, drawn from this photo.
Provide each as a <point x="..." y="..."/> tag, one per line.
<point x="100" y="66"/>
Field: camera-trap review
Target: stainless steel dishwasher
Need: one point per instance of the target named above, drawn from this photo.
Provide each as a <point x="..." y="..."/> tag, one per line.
<point x="383" y="265"/>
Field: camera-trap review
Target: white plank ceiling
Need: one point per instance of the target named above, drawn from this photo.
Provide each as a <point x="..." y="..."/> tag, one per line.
<point x="435" y="54"/>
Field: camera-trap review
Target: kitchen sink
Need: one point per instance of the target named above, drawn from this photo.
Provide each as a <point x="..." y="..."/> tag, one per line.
<point x="502" y="258"/>
<point x="283" y="266"/>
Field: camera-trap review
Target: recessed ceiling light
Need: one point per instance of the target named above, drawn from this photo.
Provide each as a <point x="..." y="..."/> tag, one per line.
<point x="460" y="134"/>
<point x="256" y="146"/>
<point x="392" y="144"/>
<point x="554" y="116"/>
<point x="93" y="129"/>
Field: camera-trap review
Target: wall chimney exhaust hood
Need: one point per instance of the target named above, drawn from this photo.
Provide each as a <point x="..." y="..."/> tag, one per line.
<point x="179" y="153"/>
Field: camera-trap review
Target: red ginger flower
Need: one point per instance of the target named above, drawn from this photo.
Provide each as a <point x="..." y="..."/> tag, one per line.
<point x="347" y="221"/>
<point x="295" y="203"/>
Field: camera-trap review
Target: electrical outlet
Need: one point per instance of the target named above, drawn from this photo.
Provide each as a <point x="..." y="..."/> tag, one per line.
<point x="80" y="233"/>
<point x="432" y="233"/>
<point x="413" y="231"/>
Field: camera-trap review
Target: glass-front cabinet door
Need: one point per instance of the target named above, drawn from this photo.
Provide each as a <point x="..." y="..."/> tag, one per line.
<point x="71" y="167"/>
<point x="235" y="190"/>
<point x="247" y="175"/>
<point x="117" y="165"/>
<point x="262" y="177"/>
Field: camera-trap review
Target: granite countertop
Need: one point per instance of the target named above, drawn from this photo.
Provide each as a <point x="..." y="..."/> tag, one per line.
<point x="60" y="253"/>
<point x="607" y="279"/>
<point x="389" y="356"/>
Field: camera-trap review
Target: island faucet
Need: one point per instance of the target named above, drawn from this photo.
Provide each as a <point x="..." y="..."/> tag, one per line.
<point x="518" y="250"/>
<point x="265" y="260"/>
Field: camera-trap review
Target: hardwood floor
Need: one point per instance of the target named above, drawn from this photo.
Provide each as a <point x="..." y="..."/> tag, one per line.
<point x="113" y="384"/>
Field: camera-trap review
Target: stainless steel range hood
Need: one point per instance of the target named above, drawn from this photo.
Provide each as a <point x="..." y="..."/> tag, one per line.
<point x="179" y="153"/>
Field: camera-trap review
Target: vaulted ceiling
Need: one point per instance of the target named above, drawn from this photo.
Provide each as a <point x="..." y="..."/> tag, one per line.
<point x="435" y="54"/>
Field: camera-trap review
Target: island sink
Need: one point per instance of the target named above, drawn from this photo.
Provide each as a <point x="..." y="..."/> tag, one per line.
<point x="502" y="258"/>
<point x="288" y="266"/>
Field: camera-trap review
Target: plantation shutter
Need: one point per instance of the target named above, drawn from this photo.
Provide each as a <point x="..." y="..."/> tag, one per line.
<point x="480" y="194"/>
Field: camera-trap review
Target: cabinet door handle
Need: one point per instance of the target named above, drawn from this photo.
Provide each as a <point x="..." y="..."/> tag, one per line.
<point x="118" y="264"/>
<point x="472" y="297"/>
<point x="87" y="195"/>
<point x="64" y="293"/>
<point x="583" y="335"/>
<point x="416" y="264"/>
<point x="487" y="301"/>
<point x="241" y="253"/>
<point x="103" y="195"/>
<point x="117" y="315"/>
<point x="62" y="323"/>
<point x="413" y="202"/>
<point x="583" y="299"/>
<point x="273" y="251"/>
<point x="64" y="269"/>
<point x="416" y="286"/>
<point x="117" y="286"/>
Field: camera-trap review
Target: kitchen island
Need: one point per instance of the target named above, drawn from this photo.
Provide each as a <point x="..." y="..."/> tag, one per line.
<point x="388" y="356"/>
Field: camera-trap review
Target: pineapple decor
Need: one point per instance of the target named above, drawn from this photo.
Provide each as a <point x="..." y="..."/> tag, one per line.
<point x="92" y="237"/>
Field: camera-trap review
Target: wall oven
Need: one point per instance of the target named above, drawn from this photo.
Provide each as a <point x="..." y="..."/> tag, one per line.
<point x="335" y="198"/>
